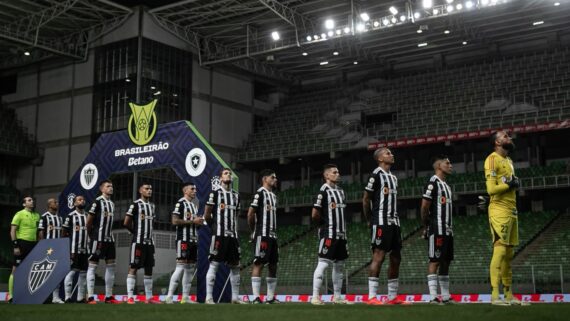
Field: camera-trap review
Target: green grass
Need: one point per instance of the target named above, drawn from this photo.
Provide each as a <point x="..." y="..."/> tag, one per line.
<point x="301" y="312"/>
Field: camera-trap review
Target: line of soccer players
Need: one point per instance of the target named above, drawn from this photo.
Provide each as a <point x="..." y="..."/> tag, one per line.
<point x="92" y="239"/>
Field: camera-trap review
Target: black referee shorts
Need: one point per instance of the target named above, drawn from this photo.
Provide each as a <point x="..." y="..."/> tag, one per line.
<point x="25" y="248"/>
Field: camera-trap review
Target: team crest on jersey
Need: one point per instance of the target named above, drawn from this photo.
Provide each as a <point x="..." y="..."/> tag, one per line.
<point x="222" y="206"/>
<point x="437" y="253"/>
<point x="141" y="216"/>
<point x="442" y="200"/>
<point x="493" y="174"/>
<point x="386" y="190"/>
<point x="333" y="205"/>
<point x="142" y="123"/>
<point x="40" y="273"/>
<point x="70" y="198"/>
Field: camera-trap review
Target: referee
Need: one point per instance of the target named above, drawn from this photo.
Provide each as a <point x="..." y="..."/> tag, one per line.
<point x="23" y="233"/>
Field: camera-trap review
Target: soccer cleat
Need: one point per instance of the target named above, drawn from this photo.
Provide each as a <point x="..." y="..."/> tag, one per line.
<point x="111" y="300"/>
<point x="238" y="301"/>
<point x="209" y="301"/>
<point x="82" y="301"/>
<point x="186" y="300"/>
<point x="91" y="300"/>
<point x="396" y="301"/>
<point x="374" y="301"/>
<point x="499" y="302"/>
<point x="515" y="301"/>
<point x="449" y="301"/>
<point x="317" y="301"/>
<point x="274" y="301"/>
<point x="153" y="301"/>
<point x="168" y="300"/>
<point x="57" y="301"/>
<point x="257" y="301"/>
<point x="436" y="301"/>
<point x="340" y="300"/>
<point x="131" y="301"/>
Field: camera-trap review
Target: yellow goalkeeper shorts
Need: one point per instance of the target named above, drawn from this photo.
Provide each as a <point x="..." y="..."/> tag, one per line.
<point x="504" y="226"/>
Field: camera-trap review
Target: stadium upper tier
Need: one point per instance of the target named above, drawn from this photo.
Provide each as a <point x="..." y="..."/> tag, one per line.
<point x="521" y="90"/>
<point x="538" y="177"/>
<point x="14" y="138"/>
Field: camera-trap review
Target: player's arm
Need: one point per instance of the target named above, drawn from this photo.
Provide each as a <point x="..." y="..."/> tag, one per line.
<point x="41" y="227"/>
<point x="209" y="208"/>
<point x="251" y="218"/>
<point x="494" y="184"/>
<point x="65" y="227"/>
<point x="316" y="215"/>
<point x="366" y="210"/>
<point x="13" y="229"/>
<point x="89" y="224"/>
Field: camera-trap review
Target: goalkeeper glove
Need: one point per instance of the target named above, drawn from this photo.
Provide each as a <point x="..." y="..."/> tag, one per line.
<point x="483" y="203"/>
<point x="514" y="182"/>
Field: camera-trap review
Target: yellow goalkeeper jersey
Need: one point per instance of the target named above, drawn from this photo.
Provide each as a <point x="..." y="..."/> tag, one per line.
<point x="498" y="171"/>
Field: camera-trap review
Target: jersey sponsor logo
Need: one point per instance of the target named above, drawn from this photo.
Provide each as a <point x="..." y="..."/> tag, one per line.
<point x="40" y="273"/>
<point x="89" y="175"/>
<point x="195" y="162"/>
<point x="188" y="215"/>
<point x="142" y="123"/>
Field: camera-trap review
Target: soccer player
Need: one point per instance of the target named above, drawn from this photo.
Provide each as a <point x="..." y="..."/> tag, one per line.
<point x="379" y="205"/>
<point x="437" y="211"/>
<point x="328" y="212"/>
<point x="502" y="185"/>
<point x="75" y="227"/>
<point x="50" y="227"/>
<point x="23" y="233"/>
<point x="222" y="207"/>
<point x="139" y="221"/>
<point x="185" y="218"/>
<point x="102" y="243"/>
<point x="262" y="221"/>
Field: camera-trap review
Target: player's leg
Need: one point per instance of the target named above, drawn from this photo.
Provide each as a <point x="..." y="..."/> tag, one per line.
<point x="340" y="249"/>
<point x="433" y="267"/>
<point x="110" y="265"/>
<point x="498" y="228"/>
<point x="323" y="263"/>
<point x="189" y="269"/>
<point x="272" y="272"/>
<point x="82" y="280"/>
<point x="179" y="269"/>
<point x="234" y="264"/>
<point x="93" y="262"/>
<point x="258" y="262"/>
<point x="148" y="263"/>
<point x="68" y="284"/>
<point x="394" y="273"/>
<point x="135" y="264"/>
<point x="444" y="280"/>
<point x="378" y="257"/>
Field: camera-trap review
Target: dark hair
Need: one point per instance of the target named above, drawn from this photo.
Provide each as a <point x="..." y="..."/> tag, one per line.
<point x="26" y="196"/>
<point x="187" y="184"/>
<point x="265" y="172"/>
<point x="329" y="166"/>
<point x="105" y="181"/>
<point x="224" y="169"/>
<point x="142" y="184"/>
<point x="438" y="158"/>
<point x="76" y="196"/>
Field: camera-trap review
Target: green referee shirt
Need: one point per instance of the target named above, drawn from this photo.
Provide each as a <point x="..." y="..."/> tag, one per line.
<point x="27" y="223"/>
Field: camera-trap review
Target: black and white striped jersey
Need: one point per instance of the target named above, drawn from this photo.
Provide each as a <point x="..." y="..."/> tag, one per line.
<point x="331" y="203"/>
<point x="186" y="211"/>
<point x="51" y="224"/>
<point x="383" y="187"/>
<point x="265" y="205"/>
<point x="225" y="211"/>
<point x="103" y="209"/>
<point x="76" y="226"/>
<point x="143" y="217"/>
<point x="441" y="209"/>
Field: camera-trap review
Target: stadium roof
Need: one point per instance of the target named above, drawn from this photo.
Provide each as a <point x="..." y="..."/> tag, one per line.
<point x="240" y="31"/>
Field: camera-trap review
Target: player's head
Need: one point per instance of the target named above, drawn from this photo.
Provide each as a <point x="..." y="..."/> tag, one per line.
<point x="28" y="202"/>
<point x="331" y="173"/>
<point x="79" y="202"/>
<point x="106" y="187"/>
<point x="226" y="175"/>
<point x="52" y="204"/>
<point x="268" y="178"/>
<point x="501" y="139"/>
<point x="145" y="190"/>
<point x="441" y="163"/>
<point x="383" y="155"/>
<point x="189" y="189"/>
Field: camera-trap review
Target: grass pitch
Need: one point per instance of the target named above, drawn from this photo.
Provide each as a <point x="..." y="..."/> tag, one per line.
<point x="292" y="311"/>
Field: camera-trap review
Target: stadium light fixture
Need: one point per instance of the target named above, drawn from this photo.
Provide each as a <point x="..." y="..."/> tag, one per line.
<point x="27" y="53"/>
<point x="484" y="2"/>
<point x="403" y="18"/>
<point x="329" y="24"/>
<point x="330" y="33"/>
<point x="304" y="54"/>
<point x="419" y="31"/>
<point x="469" y="4"/>
<point x="417" y="15"/>
<point x="364" y="16"/>
<point x="449" y="1"/>
<point x="536" y="23"/>
<point x="556" y="4"/>
<point x="446" y="32"/>
<point x="346" y="30"/>
<point x="338" y="32"/>
<point x="450" y="8"/>
<point x="423" y="44"/>
<point x="360" y="27"/>
<point x="376" y="23"/>
<point x="435" y="11"/>
<point x="309" y="38"/>
<point x="459" y="6"/>
<point x="323" y="36"/>
<point x="275" y="35"/>
<point x="427" y="4"/>
<point x="464" y="43"/>
<point x="157" y="93"/>
<point x="385" y="22"/>
<point x="316" y="37"/>
<point x="152" y="87"/>
<point x="393" y="10"/>
<point x="355" y="63"/>
<point x="322" y="63"/>
<point x="127" y="80"/>
<point x="394" y="20"/>
<point x="175" y="95"/>
<point x="335" y="53"/>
